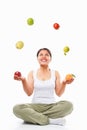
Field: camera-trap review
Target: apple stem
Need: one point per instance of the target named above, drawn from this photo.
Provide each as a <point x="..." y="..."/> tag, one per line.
<point x="64" y="53"/>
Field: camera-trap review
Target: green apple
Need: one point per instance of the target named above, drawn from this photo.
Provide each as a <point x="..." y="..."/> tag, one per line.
<point x="66" y="49"/>
<point x="30" y="21"/>
<point x="19" y="45"/>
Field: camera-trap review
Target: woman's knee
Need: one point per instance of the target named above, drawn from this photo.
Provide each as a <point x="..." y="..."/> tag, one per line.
<point x="16" y="109"/>
<point x="69" y="106"/>
<point x="66" y="105"/>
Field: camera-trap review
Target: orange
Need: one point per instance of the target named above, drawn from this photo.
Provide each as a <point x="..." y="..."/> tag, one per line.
<point x="69" y="76"/>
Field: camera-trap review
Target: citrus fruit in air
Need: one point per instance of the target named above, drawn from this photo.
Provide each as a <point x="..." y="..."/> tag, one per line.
<point x="19" y="45"/>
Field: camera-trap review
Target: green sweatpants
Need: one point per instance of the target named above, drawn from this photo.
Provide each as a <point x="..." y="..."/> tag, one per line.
<point x="40" y="113"/>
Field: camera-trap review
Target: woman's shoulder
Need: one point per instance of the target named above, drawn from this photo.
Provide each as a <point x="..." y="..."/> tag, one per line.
<point x="56" y="72"/>
<point x="32" y="72"/>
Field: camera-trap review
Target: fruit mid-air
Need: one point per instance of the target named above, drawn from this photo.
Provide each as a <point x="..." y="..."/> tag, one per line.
<point x="56" y="26"/>
<point x="30" y="21"/>
<point x="66" y="49"/>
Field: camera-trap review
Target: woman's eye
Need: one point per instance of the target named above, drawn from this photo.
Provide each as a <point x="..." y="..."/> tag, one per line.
<point x="41" y="55"/>
<point x="44" y="55"/>
<point x="47" y="54"/>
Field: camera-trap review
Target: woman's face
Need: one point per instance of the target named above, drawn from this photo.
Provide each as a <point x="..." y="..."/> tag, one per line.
<point x="44" y="57"/>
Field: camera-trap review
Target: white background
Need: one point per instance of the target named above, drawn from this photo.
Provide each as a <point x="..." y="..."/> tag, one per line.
<point x="72" y="17"/>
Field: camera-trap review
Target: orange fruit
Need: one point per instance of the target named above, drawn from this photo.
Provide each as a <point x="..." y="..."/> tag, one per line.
<point x="69" y="76"/>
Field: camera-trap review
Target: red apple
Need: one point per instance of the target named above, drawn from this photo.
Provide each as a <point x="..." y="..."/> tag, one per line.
<point x="56" y="26"/>
<point x="17" y="73"/>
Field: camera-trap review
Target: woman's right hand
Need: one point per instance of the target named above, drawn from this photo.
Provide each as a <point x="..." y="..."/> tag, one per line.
<point x="18" y="76"/>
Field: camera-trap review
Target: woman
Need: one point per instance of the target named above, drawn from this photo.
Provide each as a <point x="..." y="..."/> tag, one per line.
<point x="43" y="84"/>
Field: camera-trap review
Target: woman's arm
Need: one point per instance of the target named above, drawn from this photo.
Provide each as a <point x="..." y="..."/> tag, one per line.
<point x="60" y="86"/>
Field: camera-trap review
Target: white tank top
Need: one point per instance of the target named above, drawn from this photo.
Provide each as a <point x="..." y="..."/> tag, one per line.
<point x="44" y="90"/>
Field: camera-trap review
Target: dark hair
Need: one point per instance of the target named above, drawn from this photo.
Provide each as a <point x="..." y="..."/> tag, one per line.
<point x="46" y="50"/>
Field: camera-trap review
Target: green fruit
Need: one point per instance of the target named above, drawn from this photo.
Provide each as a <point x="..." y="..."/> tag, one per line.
<point x="66" y="49"/>
<point x="30" y="21"/>
<point x="19" y="45"/>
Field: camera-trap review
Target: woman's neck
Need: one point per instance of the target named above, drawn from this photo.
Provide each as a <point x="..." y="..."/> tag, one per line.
<point x="45" y="68"/>
<point x="43" y="73"/>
